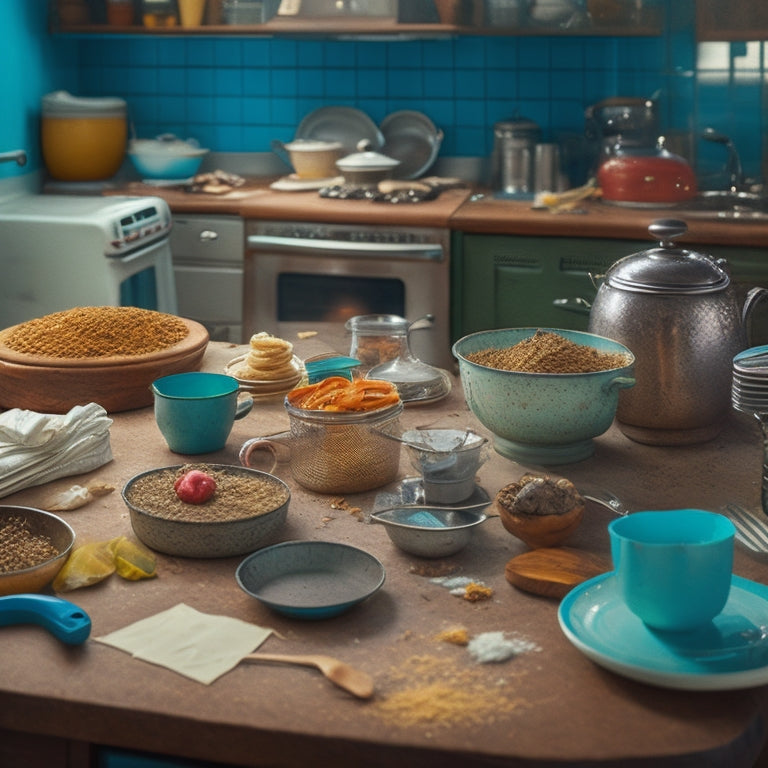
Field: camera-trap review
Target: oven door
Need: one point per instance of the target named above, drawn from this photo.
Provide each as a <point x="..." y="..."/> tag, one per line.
<point x="304" y="283"/>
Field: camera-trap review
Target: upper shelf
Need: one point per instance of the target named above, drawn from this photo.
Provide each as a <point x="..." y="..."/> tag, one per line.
<point x="734" y="20"/>
<point x="333" y="28"/>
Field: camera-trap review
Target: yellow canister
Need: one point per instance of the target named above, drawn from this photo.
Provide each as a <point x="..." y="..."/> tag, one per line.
<point x="83" y="139"/>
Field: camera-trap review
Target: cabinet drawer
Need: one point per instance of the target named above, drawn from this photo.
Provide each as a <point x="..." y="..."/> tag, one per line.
<point x="207" y="239"/>
<point x="211" y="294"/>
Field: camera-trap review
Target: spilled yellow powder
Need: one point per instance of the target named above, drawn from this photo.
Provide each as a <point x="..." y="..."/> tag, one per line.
<point x="428" y="690"/>
<point x="458" y="636"/>
<point x="475" y="592"/>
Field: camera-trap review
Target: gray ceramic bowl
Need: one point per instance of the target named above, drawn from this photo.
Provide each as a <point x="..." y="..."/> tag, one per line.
<point x="219" y="538"/>
<point x="39" y="523"/>
<point x="429" y="531"/>
<point x="542" y="418"/>
<point x="310" y="579"/>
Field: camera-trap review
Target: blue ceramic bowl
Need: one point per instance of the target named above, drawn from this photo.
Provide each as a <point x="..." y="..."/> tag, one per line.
<point x="310" y="579"/>
<point x="542" y="418"/>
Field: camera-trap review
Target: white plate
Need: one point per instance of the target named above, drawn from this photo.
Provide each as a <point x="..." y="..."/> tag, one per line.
<point x="294" y="183"/>
<point x="345" y="124"/>
<point x="731" y="652"/>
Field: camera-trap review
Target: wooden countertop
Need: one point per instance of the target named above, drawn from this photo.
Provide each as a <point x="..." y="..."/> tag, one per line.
<point x="455" y="209"/>
<point x="560" y="708"/>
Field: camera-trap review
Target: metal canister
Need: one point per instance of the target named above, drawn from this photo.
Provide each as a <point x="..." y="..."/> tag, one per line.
<point x="513" y="157"/>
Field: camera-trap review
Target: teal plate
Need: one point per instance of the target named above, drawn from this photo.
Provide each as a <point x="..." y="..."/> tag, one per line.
<point x="310" y="579"/>
<point x="730" y="652"/>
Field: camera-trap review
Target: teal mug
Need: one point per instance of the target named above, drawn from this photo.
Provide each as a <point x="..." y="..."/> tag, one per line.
<point x="673" y="567"/>
<point x="195" y="411"/>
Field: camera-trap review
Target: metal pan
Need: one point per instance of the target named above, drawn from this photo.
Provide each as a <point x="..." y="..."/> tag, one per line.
<point x="412" y="138"/>
<point x="347" y="125"/>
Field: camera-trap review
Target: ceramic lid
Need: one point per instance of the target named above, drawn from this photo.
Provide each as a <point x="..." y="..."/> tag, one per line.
<point x="312" y="145"/>
<point x="668" y="268"/>
<point x="366" y="160"/>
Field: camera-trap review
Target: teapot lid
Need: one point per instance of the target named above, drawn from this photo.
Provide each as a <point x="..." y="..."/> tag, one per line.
<point x="668" y="268"/>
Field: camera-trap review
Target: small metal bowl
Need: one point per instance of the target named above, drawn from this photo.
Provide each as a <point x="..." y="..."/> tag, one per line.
<point x="429" y="531"/>
<point x="42" y="524"/>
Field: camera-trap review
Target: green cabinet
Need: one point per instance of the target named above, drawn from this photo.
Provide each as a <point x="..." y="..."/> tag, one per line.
<point x="506" y="281"/>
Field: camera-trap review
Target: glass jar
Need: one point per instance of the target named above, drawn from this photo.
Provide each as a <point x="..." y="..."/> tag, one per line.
<point x="381" y="344"/>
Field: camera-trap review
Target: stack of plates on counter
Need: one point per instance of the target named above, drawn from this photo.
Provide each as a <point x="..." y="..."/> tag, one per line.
<point x="749" y="389"/>
<point x="264" y="388"/>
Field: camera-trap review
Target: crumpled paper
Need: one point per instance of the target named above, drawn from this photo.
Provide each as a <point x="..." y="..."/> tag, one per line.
<point x="36" y="448"/>
<point x="194" y="644"/>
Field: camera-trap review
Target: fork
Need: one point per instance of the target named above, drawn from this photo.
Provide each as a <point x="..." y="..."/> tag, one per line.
<point x="750" y="531"/>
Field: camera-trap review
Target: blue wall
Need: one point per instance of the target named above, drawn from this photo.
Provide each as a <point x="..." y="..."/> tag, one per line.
<point x="236" y="94"/>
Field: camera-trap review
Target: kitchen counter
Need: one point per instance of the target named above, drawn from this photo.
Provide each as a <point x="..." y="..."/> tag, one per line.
<point x="555" y="706"/>
<point x="456" y="209"/>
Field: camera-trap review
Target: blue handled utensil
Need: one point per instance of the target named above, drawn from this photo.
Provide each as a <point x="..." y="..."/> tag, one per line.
<point x="64" y="620"/>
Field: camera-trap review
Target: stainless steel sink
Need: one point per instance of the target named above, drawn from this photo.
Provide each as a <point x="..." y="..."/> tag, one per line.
<point x="722" y="204"/>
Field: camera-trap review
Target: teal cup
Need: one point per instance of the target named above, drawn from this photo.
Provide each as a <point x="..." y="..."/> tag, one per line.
<point x="195" y="411"/>
<point x="673" y="567"/>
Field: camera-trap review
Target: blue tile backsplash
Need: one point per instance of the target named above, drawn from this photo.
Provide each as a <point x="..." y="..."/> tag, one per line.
<point x="237" y="94"/>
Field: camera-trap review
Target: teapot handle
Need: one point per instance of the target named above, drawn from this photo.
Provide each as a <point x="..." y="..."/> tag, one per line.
<point x="754" y="296"/>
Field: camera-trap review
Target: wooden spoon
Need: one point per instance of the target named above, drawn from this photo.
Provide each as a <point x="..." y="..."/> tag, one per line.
<point x="554" y="571"/>
<point x="350" y="679"/>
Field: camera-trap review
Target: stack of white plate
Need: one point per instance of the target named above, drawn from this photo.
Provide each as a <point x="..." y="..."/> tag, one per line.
<point x="749" y="389"/>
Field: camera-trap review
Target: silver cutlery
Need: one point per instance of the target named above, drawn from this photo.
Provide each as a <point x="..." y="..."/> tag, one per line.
<point x="750" y="530"/>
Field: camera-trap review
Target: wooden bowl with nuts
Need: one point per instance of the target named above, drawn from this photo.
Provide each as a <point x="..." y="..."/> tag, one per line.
<point x="105" y="355"/>
<point x="541" y="511"/>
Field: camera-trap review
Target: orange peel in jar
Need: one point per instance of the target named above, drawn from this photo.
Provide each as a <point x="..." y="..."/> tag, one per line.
<point x="342" y="395"/>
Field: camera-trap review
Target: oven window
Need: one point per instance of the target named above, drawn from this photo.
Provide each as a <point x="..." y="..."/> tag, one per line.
<point x="332" y="298"/>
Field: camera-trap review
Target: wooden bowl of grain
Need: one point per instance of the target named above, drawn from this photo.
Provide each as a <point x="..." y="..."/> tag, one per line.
<point x="34" y="545"/>
<point x="246" y="512"/>
<point x="104" y="355"/>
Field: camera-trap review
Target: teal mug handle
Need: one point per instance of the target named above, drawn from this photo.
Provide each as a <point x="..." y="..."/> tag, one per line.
<point x="244" y="406"/>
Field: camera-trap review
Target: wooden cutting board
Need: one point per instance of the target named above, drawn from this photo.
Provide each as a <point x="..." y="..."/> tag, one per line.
<point x="554" y="571"/>
<point x="119" y="383"/>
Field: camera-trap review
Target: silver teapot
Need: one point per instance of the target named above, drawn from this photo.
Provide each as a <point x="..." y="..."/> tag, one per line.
<point x="678" y="312"/>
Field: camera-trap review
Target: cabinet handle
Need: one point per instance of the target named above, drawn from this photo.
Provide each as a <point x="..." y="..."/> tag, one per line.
<point x="207" y="235"/>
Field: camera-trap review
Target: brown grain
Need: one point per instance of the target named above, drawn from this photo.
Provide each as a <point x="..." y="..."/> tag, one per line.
<point x="86" y="332"/>
<point x="238" y="495"/>
<point x="20" y="548"/>
<point x="548" y="352"/>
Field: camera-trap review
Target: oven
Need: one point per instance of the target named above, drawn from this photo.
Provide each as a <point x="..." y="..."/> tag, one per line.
<point x="63" y="251"/>
<point x="301" y="276"/>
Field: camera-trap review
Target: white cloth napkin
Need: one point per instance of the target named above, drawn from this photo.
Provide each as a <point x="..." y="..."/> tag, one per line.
<point x="194" y="644"/>
<point x="36" y="448"/>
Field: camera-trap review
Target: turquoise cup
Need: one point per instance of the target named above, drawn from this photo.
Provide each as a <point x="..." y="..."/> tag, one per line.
<point x="673" y="567"/>
<point x="195" y="411"/>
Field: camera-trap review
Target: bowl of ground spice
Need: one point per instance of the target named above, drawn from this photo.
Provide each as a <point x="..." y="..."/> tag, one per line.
<point x="105" y="355"/>
<point x="34" y="546"/>
<point x="544" y="393"/>
<point x="246" y="511"/>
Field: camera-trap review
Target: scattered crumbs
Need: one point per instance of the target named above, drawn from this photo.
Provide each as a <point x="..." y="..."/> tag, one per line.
<point x="342" y="504"/>
<point x="466" y="587"/>
<point x="435" y="691"/>
<point x="457" y="636"/>
<point x="498" y="646"/>
<point x="306" y="334"/>
<point x="433" y="570"/>
<point x="327" y="519"/>
<point x="457" y="582"/>
<point x="475" y="592"/>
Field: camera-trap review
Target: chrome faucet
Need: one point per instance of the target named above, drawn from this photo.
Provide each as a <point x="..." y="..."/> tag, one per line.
<point x="735" y="172"/>
<point x="19" y="155"/>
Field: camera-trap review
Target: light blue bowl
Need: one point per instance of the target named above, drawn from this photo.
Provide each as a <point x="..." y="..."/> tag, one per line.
<point x="542" y="418"/>
<point x="167" y="165"/>
<point x="310" y="579"/>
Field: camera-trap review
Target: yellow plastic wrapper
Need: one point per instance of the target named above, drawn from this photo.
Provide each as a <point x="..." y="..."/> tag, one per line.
<point x="132" y="561"/>
<point x="93" y="562"/>
<point x="88" y="564"/>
